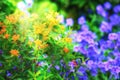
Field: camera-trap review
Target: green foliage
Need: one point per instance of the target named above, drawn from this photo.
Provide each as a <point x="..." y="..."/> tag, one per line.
<point x="5" y="8"/>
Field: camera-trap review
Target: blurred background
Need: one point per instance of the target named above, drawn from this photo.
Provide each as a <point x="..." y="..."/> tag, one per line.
<point x="68" y="9"/>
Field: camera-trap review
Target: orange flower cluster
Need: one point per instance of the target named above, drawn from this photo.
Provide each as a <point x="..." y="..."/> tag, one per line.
<point x="2" y="28"/>
<point x="11" y="18"/>
<point x="66" y="50"/>
<point x="14" y="52"/>
<point x="6" y="36"/>
<point x="15" y="37"/>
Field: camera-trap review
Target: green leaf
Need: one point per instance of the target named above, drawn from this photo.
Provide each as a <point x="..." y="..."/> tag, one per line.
<point x="32" y="74"/>
<point x="38" y="73"/>
<point x="1" y="78"/>
<point x="82" y="3"/>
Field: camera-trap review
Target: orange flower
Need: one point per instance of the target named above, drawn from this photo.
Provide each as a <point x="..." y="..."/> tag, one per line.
<point x="1" y="23"/>
<point x="66" y="50"/>
<point x="11" y="18"/>
<point x="14" y="52"/>
<point x="2" y="28"/>
<point x="15" y="37"/>
<point x="6" y="36"/>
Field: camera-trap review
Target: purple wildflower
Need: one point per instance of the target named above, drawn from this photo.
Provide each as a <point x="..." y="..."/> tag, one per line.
<point x="8" y="74"/>
<point x="115" y="71"/>
<point x="82" y="70"/>
<point x="76" y="48"/>
<point x="90" y="64"/>
<point x="107" y="5"/>
<point x="14" y="68"/>
<point x="116" y="9"/>
<point x="84" y="27"/>
<point x="83" y="50"/>
<point x="69" y="22"/>
<point x="94" y="72"/>
<point x="105" y="27"/>
<point x="114" y="19"/>
<point x="1" y="52"/>
<point x="1" y="64"/>
<point x="112" y="36"/>
<point x="79" y="38"/>
<point x="107" y="66"/>
<point x="99" y="8"/>
<point x="81" y="20"/>
<point x="42" y="64"/>
<point x="101" y="11"/>
<point x="57" y="67"/>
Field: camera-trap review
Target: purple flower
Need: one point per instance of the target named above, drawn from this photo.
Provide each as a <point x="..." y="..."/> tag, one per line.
<point x="117" y="45"/>
<point x="107" y="5"/>
<point x="87" y="36"/>
<point x="57" y="67"/>
<point x="67" y="74"/>
<point x="1" y="52"/>
<point x="42" y="64"/>
<point x="29" y="3"/>
<point x="82" y="70"/>
<point x="84" y="77"/>
<point x="76" y="48"/>
<point x="117" y="60"/>
<point x="1" y="65"/>
<point x="110" y="44"/>
<point x="105" y="27"/>
<point x="102" y="45"/>
<point x="116" y="9"/>
<point x="94" y="72"/>
<point x="116" y="54"/>
<point x="99" y="8"/>
<point x="119" y="37"/>
<point x="115" y="71"/>
<point x="90" y="64"/>
<point x="107" y="66"/>
<point x="92" y="53"/>
<point x="79" y="38"/>
<point x="14" y="68"/>
<point x="101" y="11"/>
<point x="72" y="69"/>
<point x="112" y="36"/>
<point x="69" y="22"/>
<point x="81" y="20"/>
<point x="114" y="19"/>
<point x="8" y="74"/>
<point x="83" y="50"/>
<point x="100" y="64"/>
<point x="71" y="64"/>
<point x="84" y="27"/>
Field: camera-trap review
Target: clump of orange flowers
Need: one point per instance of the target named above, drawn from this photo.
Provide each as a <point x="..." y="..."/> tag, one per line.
<point x="11" y="18"/>
<point x="14" y="52"/>
<point x="66" y="50"/>
<point x="6" y="36"/>
<point x="15" y="37"/>
<point x="2" y="28"/>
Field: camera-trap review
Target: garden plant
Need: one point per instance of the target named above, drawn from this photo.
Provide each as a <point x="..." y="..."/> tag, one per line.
<point x="43" y="40"/>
